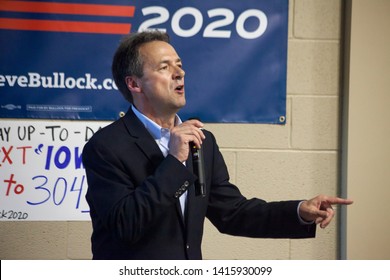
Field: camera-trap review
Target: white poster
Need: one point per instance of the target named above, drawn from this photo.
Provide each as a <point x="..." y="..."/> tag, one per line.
<point x="41" y="172"/>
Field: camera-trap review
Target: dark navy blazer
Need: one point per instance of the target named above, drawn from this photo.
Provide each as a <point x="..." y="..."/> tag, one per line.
<point x="133" y="194"/>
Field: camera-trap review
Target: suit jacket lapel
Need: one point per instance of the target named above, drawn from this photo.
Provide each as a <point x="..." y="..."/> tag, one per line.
<point x="144" y="140"/>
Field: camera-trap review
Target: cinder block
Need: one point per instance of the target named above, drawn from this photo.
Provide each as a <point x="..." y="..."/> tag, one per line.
<point x="313" y="67"/>
<point x="316" y="123"/>
<point x="33" y="240"/>
<point x="317" y="19"/>
<point x="286" y="175"/>
<point x="239" y="136"/>
<point x="217" y="246"/>
<point x="250" y="135"/>
<point x="79" y="240"/>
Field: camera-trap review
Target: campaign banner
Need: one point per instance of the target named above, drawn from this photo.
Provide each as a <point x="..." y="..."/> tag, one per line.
<point x="55" y="56"/>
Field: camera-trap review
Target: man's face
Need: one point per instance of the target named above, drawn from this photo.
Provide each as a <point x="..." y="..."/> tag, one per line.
<point x="162" y="84"/>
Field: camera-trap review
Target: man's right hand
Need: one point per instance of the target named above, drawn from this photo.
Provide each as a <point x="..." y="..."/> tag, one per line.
<point x="182" y="135"/>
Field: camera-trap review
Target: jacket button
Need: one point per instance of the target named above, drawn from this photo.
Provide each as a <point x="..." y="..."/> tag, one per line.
<point x="188" y="247"/>
<point x="186" y="184"/>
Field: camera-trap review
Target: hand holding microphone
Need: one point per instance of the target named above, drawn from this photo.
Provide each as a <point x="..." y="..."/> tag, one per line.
<point x="186" y="139"/>
<point x="182" y="135"/>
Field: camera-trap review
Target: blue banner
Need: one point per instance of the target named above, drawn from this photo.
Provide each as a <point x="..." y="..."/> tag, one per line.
<point x="55" y="57"/>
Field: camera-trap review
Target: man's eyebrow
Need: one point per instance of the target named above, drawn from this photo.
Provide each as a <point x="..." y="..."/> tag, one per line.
<point x="178" y="60"/>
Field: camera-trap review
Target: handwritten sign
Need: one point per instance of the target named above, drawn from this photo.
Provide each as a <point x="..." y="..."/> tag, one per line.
<point x="41" y="172"/>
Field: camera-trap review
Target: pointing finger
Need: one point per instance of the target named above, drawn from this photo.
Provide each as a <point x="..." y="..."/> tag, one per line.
<point x="338" y="200"/>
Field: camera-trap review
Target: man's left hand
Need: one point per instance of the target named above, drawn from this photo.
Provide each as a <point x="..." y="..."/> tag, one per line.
<point x="319" y="209"/>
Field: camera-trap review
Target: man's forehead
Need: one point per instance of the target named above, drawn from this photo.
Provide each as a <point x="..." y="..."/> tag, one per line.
<point x="159" y="51"/>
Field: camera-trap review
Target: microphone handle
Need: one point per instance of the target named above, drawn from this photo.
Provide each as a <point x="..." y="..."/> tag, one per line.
<point x="197" y="159"/>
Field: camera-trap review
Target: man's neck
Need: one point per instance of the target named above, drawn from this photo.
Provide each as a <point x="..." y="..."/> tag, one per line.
<point x="163" y="120"/>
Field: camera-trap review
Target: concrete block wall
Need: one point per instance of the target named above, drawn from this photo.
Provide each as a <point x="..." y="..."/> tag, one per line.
<point x="273" y="162"/>
<point x="300" y="159"/>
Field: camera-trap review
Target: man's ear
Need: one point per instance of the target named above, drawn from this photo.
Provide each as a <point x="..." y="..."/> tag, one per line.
<point x="133" y="84"/>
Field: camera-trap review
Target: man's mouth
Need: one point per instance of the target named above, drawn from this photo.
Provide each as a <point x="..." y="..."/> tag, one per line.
<point x="179" y="88"/>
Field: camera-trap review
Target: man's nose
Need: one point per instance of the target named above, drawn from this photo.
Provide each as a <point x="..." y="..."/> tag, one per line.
<point x="179" y="73"/>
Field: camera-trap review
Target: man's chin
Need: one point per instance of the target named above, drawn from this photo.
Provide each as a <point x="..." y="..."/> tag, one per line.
<point x="182" y="104"/>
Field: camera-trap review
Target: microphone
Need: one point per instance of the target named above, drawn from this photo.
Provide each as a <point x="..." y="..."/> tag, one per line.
<point x="197" y="159"/>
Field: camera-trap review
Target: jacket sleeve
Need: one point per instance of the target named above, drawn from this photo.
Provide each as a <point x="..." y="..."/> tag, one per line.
<point x="231" y="213"/>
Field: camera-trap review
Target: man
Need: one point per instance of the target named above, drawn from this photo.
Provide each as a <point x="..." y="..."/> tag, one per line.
<point x="140" y="175"/>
